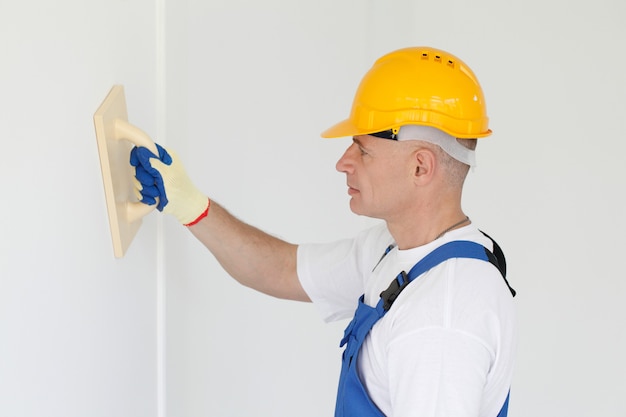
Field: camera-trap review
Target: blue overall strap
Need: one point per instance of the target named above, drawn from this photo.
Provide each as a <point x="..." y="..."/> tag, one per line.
<point x="504" y="411"/>
<point x="352" y="398"/>
<point x="455" y="249"/>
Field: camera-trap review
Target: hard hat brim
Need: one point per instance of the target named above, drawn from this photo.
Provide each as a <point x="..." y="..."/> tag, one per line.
<point x="346" y="128"/>
<point x="343" y="129"/>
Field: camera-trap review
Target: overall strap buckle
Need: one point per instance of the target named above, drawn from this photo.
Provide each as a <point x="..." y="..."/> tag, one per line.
<point x="393" y="291"/>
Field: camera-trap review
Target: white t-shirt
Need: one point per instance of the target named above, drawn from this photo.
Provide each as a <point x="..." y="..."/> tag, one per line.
<point x="446" y="346"/>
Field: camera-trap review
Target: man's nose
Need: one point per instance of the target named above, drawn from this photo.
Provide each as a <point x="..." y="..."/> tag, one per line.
<point x="345" y="163"/>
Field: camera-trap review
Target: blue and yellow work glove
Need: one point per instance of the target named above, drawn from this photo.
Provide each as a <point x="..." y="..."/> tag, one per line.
<point x="162" y="180"/>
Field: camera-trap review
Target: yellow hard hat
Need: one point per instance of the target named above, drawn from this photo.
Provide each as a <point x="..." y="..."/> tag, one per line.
<point x="420" y="86"/>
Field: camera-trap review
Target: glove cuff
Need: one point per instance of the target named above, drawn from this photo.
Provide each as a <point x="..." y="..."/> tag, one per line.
<point x="202" y="215"/>
<point x="189" y="210"/>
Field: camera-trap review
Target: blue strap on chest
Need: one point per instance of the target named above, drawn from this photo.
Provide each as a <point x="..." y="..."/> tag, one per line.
<point x="455" y="249"/>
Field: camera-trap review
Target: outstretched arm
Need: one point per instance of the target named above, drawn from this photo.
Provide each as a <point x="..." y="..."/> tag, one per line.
<point x="251" y="256"/>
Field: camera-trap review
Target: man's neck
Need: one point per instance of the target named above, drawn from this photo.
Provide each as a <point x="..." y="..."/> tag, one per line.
<point x="419" y="229"/>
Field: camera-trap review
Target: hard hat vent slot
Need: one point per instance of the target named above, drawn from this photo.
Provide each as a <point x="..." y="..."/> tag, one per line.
<point x="425" y="56"/>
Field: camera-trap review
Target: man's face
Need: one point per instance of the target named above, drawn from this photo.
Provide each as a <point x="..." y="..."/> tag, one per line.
<point x="379" y="175"/>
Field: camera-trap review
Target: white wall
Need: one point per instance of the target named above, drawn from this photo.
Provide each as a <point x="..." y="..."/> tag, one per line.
<point x="77" y="327"/>
<point x="251" y="85"/>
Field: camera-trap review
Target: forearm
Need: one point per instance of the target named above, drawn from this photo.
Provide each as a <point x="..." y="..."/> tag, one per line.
<point x="251" y="256"/>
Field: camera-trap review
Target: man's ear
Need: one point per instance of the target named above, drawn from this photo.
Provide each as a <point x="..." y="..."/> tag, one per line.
<point x="425" y="163"/>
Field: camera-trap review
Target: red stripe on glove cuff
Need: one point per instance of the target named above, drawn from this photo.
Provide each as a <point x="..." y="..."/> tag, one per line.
<point x="202" y="216"/>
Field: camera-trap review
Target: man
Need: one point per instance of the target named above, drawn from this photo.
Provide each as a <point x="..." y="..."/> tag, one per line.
<point x="434" y="332"/>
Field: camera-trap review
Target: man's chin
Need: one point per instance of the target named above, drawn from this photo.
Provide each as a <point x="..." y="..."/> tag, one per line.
<point x="357" y="209"/>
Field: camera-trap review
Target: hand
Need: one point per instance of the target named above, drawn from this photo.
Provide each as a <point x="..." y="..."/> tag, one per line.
<point x="164" y="178"/>
<point x="149" y="186"/>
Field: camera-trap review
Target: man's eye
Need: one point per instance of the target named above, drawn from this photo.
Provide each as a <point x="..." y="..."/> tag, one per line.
<point x="362" y="151"/>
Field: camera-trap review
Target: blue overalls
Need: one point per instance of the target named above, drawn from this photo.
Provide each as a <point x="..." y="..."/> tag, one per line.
<point x="352" y="398"/>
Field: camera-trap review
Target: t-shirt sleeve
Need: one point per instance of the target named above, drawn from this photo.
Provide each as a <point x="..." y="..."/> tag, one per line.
<point x="446" y="370"/>
<point x="447" y="348"/>
<point x="333" y="274"/>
